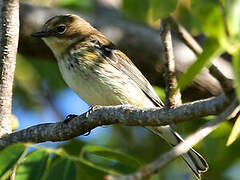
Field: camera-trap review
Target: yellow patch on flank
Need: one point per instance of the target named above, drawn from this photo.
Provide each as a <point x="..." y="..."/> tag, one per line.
<point x="90" y="56"/>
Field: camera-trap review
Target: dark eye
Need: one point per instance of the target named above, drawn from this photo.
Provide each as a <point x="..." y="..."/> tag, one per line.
<point x="61" y="29"/>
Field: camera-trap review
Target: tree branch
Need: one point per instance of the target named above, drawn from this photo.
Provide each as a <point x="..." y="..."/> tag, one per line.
<point x="185" y="36"/>
<point x="9" y="28"/>
<point x="226" y="83"/>
<point x="107" y="115"/>
<point x="181" y="148"/>
<point x="173" y="95"/>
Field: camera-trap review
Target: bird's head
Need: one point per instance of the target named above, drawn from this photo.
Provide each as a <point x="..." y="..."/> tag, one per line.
<point x="62" y="31"/>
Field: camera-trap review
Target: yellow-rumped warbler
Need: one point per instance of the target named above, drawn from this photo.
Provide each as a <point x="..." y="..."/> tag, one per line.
<point x="102" y="75"/>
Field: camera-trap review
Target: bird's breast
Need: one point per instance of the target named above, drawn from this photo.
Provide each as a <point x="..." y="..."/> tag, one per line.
<point x="100" y="83"/>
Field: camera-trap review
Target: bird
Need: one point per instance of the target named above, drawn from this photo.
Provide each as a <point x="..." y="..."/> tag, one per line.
<point x="101" y="74"/>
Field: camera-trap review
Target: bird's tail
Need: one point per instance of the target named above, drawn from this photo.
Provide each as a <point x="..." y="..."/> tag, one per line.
<point x="193" y="159"/>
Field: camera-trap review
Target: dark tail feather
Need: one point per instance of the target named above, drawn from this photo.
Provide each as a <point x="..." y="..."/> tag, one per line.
<point x="196" y="162"/>
<point x="193" y="159"/>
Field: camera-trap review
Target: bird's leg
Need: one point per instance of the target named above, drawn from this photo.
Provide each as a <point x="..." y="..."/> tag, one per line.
<point x="91" y="109"/>
<point x="86" y="134"/>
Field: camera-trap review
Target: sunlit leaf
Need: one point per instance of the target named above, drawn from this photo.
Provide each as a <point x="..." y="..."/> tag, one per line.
<point x="234" y="133"/>
<point x="233" y="16"/>
<point x="86" y="5"/>
<point x="209" y="19"/>
<point x="162" y="8"/>
<point x="219" y="19"/>
<point x="10" y="156"/>
<point x="160" y="92"/>
<point x="236" y="68"/>
<point x="209" y="16"/>
<point x="211" y="49"/>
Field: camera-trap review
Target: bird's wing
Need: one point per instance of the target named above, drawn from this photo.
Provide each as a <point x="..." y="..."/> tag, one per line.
<point x="121" y="62"/>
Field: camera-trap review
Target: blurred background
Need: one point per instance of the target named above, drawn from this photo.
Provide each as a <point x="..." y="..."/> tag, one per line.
<point x="40" y="94"/>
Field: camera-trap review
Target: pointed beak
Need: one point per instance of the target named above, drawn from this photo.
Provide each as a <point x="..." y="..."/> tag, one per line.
<point x="40" y="34"/>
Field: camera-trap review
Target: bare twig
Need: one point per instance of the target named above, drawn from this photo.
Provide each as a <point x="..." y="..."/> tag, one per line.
<point x="185" y="36"/>
<point x="183" y="147"/>
<point x="9" y="28"/>
<point x="227" y="84"/>
<point x="173" y="95"/>
<point x="107" y="115"/>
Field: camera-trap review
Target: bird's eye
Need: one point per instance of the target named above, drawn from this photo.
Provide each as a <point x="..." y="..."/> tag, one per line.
<point x="61" y="29"/>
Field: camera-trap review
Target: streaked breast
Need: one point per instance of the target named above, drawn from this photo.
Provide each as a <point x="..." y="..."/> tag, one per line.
<point x="101" y="83"/>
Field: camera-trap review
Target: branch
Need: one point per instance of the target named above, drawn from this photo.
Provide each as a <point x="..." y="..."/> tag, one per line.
<point x="172" y="93"/>
<point x="226" y="83"/>
<point x="9" y="28"/>
<point x="107" y="115"/>
<point x="183" y="147"/>
<point x="185" y="36"/>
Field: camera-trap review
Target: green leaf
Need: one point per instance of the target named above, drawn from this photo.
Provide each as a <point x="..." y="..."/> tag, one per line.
<point x="233" y="16"/>
<point x="10" y="156"/>
<point x="62" y="169"/>
<point x="211" y="49"/>
<point x="209" y="16"/>
<point x="88" y="172"/>
<point x="34" y="166"/>
<point x="236" y="68"/>
<point x="86" y="5"/>
<point x="162" y="8"/>
<point x="111" y="155"/>
<point x="234" y="133"/>
<point x="160" y="92"/>
<point x="135" y="9"/>
<point x="60" y="154"/>
<point x="73" y="147"/>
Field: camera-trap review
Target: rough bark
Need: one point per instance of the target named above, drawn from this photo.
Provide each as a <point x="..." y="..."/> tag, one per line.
<point x="107" y="115"/>
<point x="9" y="28"/>
<point x="173" y="95"/>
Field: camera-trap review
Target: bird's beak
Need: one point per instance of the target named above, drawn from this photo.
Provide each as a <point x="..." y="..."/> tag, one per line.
<point x="41" y="34"/>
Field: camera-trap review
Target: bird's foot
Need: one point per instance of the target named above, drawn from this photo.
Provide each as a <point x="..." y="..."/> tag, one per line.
<point x="86" y="134"/>
<point x="69" y="117"/>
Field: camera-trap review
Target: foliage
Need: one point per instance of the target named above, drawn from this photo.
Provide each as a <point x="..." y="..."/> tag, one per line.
<point x="66" y="162"/>
<point x="86" y="5"/>
<point x="211" y="49"/>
